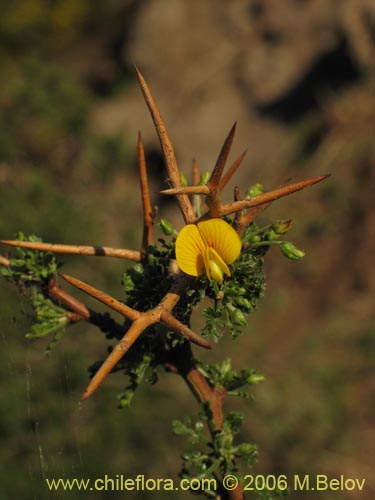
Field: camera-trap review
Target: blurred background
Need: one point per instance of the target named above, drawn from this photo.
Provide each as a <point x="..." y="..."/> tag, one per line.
<point x="297" y="76"/>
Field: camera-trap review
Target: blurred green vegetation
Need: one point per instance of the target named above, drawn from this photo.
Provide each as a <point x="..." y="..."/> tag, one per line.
<point x="55" y="180"/>
<point x="62" y="181"/>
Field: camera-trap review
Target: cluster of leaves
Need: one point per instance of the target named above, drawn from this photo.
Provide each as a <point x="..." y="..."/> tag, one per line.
<point x="145" y="284"/>
<point x="222" y="376"/>
<point x="220" y="454"/>
<point x="30" y="267"/>
<point x="214" y="456"/>
<point x="48" y="319"/>
<point x="32" y="271"/>
<point x="235" y="298"/>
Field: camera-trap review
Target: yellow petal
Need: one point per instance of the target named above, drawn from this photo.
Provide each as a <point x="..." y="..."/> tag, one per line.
<point x="220" y="236"/>
<point x="215" y="266"/>
<point x="190" y="250"/>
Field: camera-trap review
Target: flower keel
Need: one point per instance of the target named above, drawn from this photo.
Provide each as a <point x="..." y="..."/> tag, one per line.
<point x="215" y="266"/>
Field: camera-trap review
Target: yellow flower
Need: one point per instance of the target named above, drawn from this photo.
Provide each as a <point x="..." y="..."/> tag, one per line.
<point x="207" y="247"/>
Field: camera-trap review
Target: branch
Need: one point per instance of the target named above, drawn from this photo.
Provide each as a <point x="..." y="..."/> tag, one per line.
<point x="76" y="249"/>
<point x="141" y="320"/>
<point x="182" y="362"/>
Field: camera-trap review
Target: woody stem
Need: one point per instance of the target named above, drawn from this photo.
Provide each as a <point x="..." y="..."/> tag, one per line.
<point x="185" y="365"/>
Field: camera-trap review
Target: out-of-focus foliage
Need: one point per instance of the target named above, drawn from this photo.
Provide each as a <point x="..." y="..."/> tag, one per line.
<point x="43" y="109"/>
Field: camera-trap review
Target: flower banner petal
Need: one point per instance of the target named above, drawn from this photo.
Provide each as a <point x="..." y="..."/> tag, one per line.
<point x="190" y="250"/>
<point x="220" y="236"/>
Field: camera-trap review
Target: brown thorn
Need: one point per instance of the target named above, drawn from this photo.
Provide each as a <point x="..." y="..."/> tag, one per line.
<point x="4" y="261"/>
<point x="68" y="300"/>
<point x="184" y="330"/>
<point x="195" y="172"/>
<point x="118" y="352"/>
<point x="142" y="321"/>
<point x="217" y="172"/>
<point x="114" y="304"/>
<point x="237" y="193"/>
<point x="187" y="190"/>
<point x="232" y="170"/>
<point x="167" y="148"/>
<point x="270" y="195"/>
<point x="76" y="249"/>
<point x="238" y="215"/>
<point x="146" y="201"/>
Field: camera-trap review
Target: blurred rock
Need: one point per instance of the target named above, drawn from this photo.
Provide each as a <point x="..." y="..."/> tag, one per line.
<point x="261" y="63"/>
